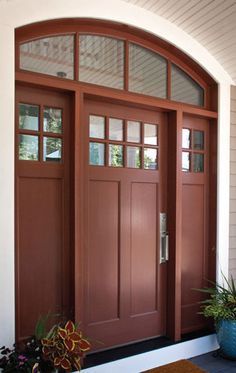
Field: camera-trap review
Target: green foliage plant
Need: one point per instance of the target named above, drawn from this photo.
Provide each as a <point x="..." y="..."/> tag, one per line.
<point x="221" y="304"/>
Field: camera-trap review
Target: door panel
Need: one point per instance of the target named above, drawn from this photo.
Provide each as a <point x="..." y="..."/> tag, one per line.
<point x="103" y="243"/>
<point x="144" y="268"/>
<point x="43" y="235"/>
<point x="123" y="282"/>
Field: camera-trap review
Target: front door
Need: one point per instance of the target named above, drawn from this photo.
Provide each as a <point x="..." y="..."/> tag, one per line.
<point x="124" y="192"/>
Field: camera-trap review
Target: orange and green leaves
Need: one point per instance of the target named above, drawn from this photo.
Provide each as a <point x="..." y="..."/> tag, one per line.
<point x="65" y="347"/>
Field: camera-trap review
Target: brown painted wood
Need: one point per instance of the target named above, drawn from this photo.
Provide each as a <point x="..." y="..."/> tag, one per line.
<point x="111" y="93"/>
<point x="195" y="233"/>
<point x="174" y="190"/>
<point x="124" y="284"/>
<point x="44" y="278"/>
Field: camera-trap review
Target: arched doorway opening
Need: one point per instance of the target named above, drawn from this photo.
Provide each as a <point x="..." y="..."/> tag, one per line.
<point x="116" y="180"/>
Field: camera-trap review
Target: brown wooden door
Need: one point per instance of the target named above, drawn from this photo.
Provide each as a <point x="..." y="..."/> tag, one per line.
<point x="124" y="283"/>
<point x="43" y="236"/>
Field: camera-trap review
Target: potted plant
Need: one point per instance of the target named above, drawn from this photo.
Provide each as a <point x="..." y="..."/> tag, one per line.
<point x="221" y="306"/>
<point x="61" y="349"/>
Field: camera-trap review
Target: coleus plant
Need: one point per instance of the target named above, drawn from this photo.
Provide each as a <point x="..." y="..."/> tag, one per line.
<point x="62" y="348"/>
<point x="65" y="347"/>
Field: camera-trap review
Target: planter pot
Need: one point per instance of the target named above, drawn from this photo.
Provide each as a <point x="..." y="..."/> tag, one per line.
<point x="226" y="336"/>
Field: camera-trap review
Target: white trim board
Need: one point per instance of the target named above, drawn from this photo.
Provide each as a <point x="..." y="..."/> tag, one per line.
<point x="148" y="360"/>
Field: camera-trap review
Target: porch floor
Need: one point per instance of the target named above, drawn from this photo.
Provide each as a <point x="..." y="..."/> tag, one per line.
<point x="214" y="363"/>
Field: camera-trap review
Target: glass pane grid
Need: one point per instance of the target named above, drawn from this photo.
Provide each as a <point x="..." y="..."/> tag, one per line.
<point x="121" y="145"/>
<point x="193" y="140"/>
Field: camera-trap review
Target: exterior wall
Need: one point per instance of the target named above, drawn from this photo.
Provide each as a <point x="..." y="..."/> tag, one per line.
<point x="18" y="13"/>
<point x="232" y="227"/>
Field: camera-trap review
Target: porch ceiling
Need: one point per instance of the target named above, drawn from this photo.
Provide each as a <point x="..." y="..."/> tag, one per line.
<point x="210" y="22"/>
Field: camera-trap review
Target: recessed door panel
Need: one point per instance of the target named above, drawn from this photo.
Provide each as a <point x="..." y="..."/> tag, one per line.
<point x="144" y="258"/>
<point x="103" y="251"/>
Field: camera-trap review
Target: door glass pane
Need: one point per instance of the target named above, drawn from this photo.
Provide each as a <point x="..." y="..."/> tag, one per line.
<point x="147" y="72"/>
<point x="96" y="127"/>
<point x="96" y="154"/>
<point x="28" y="147"/>
<point x="115" y="155"/>
<point x="133" y="157"/>
<point x="150" y="158"/>
<point x="52" y="120"/>
<point x="101" y="61"/>
<point x="29" y="117"/>
<point x="51" y="56"/>
<point x="184" y="88"/>
<point x="198" y="140"/>
<point x="186" y="138"/>
<point x="198" y="162"/>
<point x="52" y="149"/>
<point x="150" y="134"/>
<point x="186" y="161"/>
<point x="133" y="131"/>
<point x="115" y="129"/>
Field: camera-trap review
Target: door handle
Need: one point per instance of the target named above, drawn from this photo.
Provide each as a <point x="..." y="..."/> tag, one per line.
<point x="164" y="247"/>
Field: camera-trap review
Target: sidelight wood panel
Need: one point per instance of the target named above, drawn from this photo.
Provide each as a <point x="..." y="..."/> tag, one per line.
<point x="193" y="255"/>
<point x="44" y="272"/>
<point x="144" y="258"/>
<point x="40" y="239"/>
<point x="103" y="251"/>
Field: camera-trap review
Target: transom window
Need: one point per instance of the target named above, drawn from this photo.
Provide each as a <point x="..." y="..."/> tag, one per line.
<point x="115" y="142"/>
<point x="40" y="133"/>
<point x="110" y="62"/>
<point x="193" y="150"/>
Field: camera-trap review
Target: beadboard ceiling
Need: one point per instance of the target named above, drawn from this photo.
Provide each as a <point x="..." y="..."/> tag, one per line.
<point x="211" y="22"/>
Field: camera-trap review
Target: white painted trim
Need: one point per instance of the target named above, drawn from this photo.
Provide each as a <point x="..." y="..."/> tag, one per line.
<point x="162" y="356"/>
<point x="223" y="182"/>
<point x="16" y="13"/>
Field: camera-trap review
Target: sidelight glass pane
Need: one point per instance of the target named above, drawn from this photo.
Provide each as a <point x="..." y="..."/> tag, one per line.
<point x="96" y="127"/>
<point x="101" y="61"/>
<point x="133" y="157"/>
<point x="186" y="138"/>
<point x="133" y="131"/>
<point x="184" y="88"/>
<point x="115" y="155"/>
<point x="198" y="162"/>
<point x="29" y="117"/>
<point x="186" y="161"/>
<point x="52" y="149"/>
<point x="115" y="129"/>
<point x="96" y="154"/>
<point x="51" y="56"/>
<point x="150" y="159"/>
<point x="52" y="120"/>
<point x="198" y="140"/>
<point x="150" y="134"/>
<point x="147" y="72"/>
<point x="28" y="147"/>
